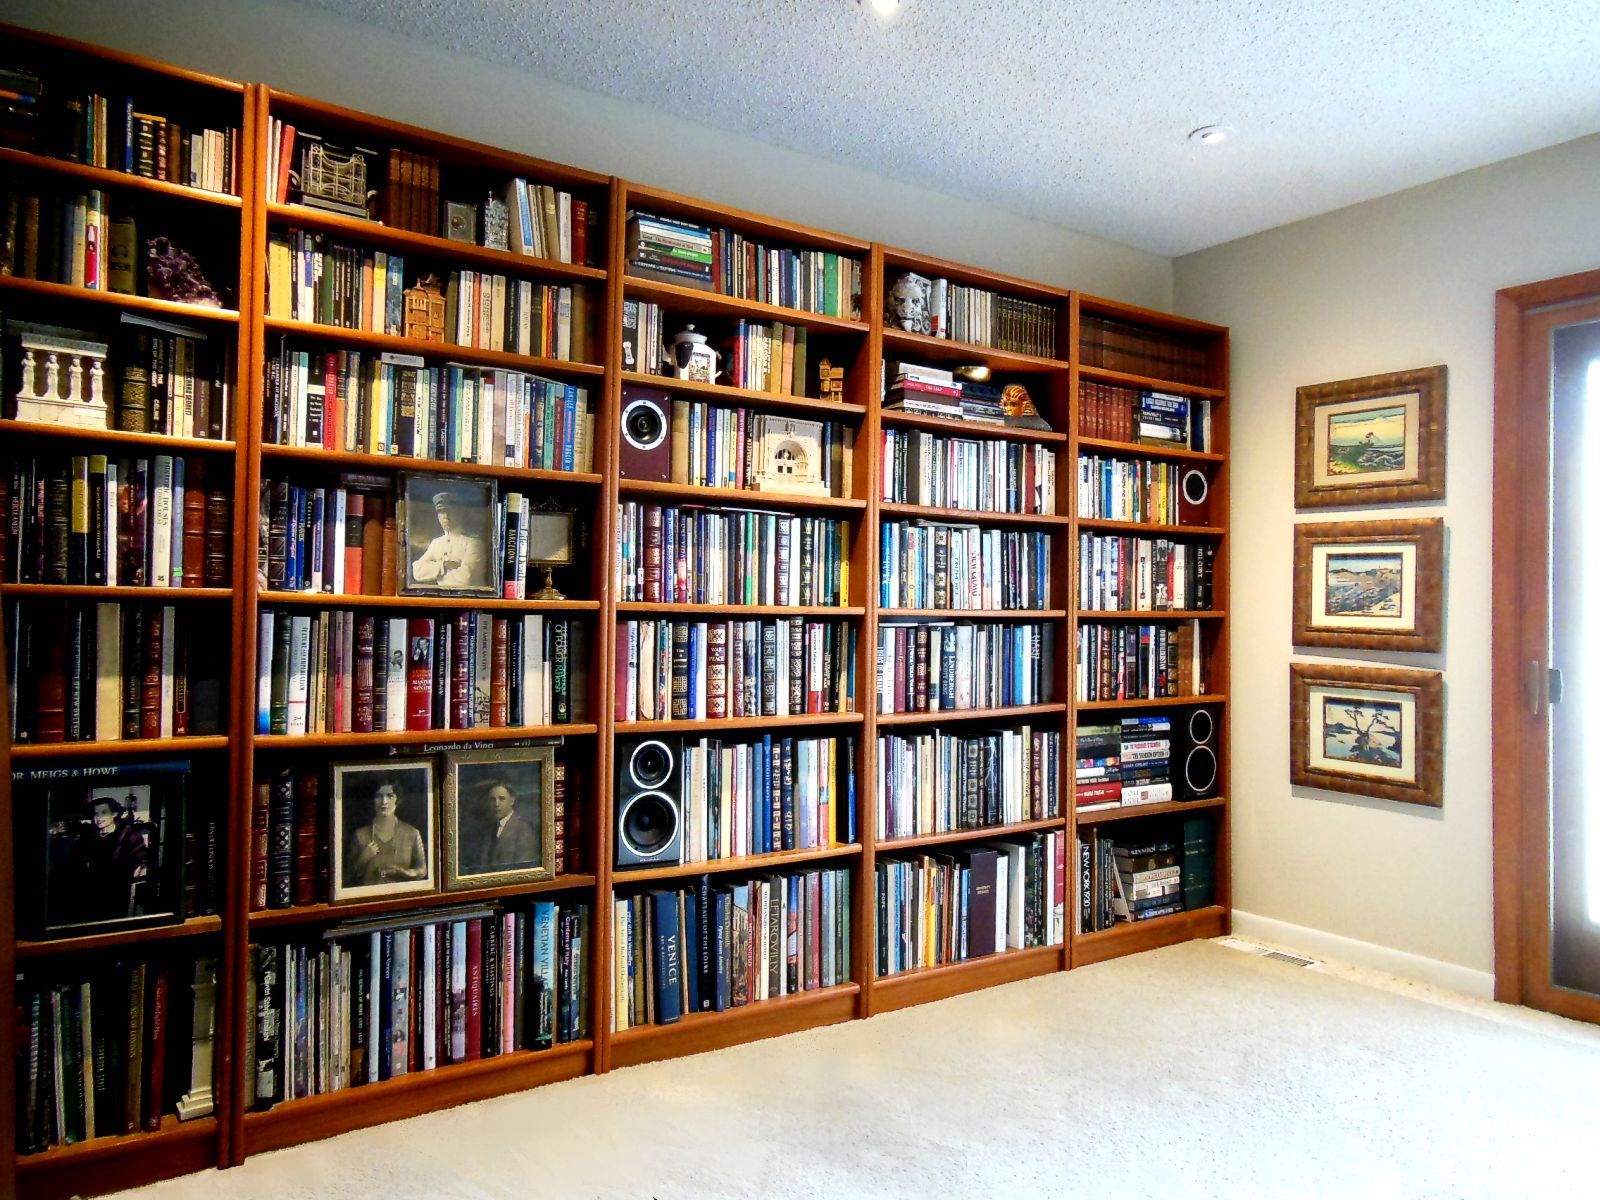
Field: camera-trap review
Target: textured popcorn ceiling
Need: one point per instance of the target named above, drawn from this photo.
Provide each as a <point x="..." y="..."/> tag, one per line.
<point x="1078" y="113"/>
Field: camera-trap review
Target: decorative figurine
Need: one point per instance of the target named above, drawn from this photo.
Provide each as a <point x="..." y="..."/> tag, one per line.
<point x="39" y="397"/>
<point x="494" y="220"/>
<point x="424" y="310"/>
<point x="911" y="303"/>
<point x="334" y="179"/>
<point x="791" y="458"/>
<point x="1019" y="408"/>
<point x="692" y="358"/>
<point x="830" y="382"/>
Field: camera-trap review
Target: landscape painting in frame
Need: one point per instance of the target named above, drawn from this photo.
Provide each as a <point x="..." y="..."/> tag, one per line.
<point x="1370" y="585"/>
<point x="1375" y="440"/>
<point x="1367" y="731"/>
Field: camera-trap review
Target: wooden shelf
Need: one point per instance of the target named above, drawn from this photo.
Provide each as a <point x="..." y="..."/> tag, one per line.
<point x="697" y="1032"/>
<point x="395" y="462"/>
<point x="1149" y="528"/>
<point x="956" y="427"/>
<point x="900" y="345"/>
<point x="1130" y="937"/>
<point x="444" y="351"/>
<point x="716" y="393"/>
<point x="419" y="903"/>
<point x="335" y="600"/>
<point x="750" y="224"/>
<point x="891" y="845"/>
<point x="1106" y="815"/>
<point x="972" y="614"/>
<point x="165" y="309"/>
<point x="183" y="1141"/>
<point x="90" y="591"/>
<point x="1012" y="712"/>
<point x="897" y="259"/>
<point x="688" y="301"/>
<point x="1148" y="383"/>
<point x="739" y="497"/>
<point x="892" y="992"/>
<point x="104" y="177"/>
<point x="755" y="863"/>
<point x="643" y="608"/>
<point x="172" y="745"/>
<point x="966" y="516"/>
<point x="375" y="233"/>
<point x="159" y="442"/>
<point x="316" y="1117"/>
<point x="1139" y="450"/>
<point x="193" y="927"/>
<point x="416" y="737"/>
<point x="1153" y="702"/>
<point x="736" y="724"/>
<point x="1151" y="614"/>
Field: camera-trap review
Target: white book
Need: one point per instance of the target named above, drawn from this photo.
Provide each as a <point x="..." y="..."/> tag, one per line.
<point x="108" y="673"/>
<point x="564" y="224"/>
<point x="175" y="546"/>
<point x="374" y="1000"/>
<point x="113" y="558"/>
<point x="264" y="637"/>
<point x="482" y="670"/>
<point x="340" y="515"/>
<point x="430" y="994"/>
<point x="395" y="678"/>
<point x="534" y="695"/>
<point x="161" y="522"/>
<point x="458" y="991"/>
<point x="299" y="672"/>
<point x="621" y="993"/>
<point x="169" y="641"/>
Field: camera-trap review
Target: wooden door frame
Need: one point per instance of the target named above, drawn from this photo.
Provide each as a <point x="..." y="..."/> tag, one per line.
<point x="1520" y="625"/>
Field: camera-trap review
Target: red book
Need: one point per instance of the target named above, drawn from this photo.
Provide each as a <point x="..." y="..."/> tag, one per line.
<point x="285" y="153"/>
<point x="558" y="809"/>
<point x="580" y="231"/>
<point x="355" y="514"/>
<point x="461" y="674"/>
<point x="332" y="427"/>
<point x="475" y="988"/>
<point x="194" y="523"/>
<point x="150" y="692"/>
<point x="419" y="674"/>
<point x="155" y="1059"/>
<point x="499" y="683"/>
<point x="371" y="548"/>
<point x="652" y="554"/>
<point x="361" y="709"/>
<point x="50" y="685"/>
<point x="307" y="819"/>
<point x="814" y="927"/>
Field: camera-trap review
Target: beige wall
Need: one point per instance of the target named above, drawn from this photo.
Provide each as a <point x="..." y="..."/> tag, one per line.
<point x="309" y="51"/>
<point x="1404" y="281"/>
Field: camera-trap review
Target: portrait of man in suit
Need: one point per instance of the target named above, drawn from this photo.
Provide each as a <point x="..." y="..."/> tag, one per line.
<point x="500" y="815"/>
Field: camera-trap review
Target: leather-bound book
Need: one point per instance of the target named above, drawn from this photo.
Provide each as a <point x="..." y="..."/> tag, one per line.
<point x="217" y="571"/>
<point x="307" y="827"/>
<point x="366" y="635"/>
<point x="150" y="686"/>
<point x="194" y="523"/>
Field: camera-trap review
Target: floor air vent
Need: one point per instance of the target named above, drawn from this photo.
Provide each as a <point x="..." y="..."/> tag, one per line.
<point x="1294" y="960"/>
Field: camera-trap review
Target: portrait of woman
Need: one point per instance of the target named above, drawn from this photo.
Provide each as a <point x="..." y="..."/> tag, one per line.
<point x="383" y="824"/>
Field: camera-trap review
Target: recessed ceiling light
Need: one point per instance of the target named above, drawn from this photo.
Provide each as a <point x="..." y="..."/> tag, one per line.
<point x="1211" y="135"/>
<point x="884" y="8"/>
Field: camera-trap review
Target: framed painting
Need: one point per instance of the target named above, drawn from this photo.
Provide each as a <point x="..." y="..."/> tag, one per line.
<point x="1370" y="585"/>
<point x="1367" y="731"/>
<point x="1377" y="440"/>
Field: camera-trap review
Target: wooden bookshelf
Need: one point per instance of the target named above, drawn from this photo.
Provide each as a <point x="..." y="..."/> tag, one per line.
<point x="860" y="343"/>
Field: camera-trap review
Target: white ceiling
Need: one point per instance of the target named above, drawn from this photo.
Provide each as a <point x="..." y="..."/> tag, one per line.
<point x="1077" y="113"/>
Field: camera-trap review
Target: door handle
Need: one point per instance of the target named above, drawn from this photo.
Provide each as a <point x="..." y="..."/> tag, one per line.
<point x="1557" y="687"/>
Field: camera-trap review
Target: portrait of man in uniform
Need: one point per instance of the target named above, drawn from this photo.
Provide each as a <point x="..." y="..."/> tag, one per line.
<point x="450" y="536"/>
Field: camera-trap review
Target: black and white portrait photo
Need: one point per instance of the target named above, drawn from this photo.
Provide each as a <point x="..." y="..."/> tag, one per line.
<point x="450" y="532"/>
<point x="381" y="828"/>
<point x="498" y="826"/>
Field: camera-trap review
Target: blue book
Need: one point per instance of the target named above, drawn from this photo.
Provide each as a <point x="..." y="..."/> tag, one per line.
<point x="721" y="958"/>
<point x="691" y="945"/>
<point x="541" y="1016"/>
<point x="393" y="287"/>
<point x="668" y="951"/>
<point x="705" y="944"/>
<point x="570" y="424"/>
<point x="291" y="573"/>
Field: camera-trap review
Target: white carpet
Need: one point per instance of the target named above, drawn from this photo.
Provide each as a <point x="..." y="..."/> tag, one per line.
<point x="1195" y="1071"/>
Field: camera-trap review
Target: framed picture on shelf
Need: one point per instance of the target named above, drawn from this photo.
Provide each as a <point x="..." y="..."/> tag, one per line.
<point x="106" y="844"/>
<point x="1377" y="440"/>
<point x="1367" y="731"/>
<point x="450" y="532"/>
<point x="498" y="827"/>
<point x="380" y="828"/>
<point x="1370" y="585"/>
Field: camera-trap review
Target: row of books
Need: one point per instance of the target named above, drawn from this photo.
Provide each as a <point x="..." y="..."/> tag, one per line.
<point x="1124" y="764"/>
<point x="396" y="404"/>
<point x="947" y="666"/>
<point x="1125" y="414"/>
<point x="694" y="555"/>
<point x="1138" y="350"/>
<point x="694" y="670"/>
<point x="941" y="781"/>
<point x="767" y="357"/>
<point x="119" y="522"/>
<point x="925" y="564"/>
<point x="290" y="840"/>
<point x="103" y="672"/>
<point x="720" y="260"/>
<point x="102" y="1051"/>
<point x="71" y="239"/>
<point x="970" y="902"/>
<point x="541" y="221"/>
<point x="1165" y="867"/>
<point x="1120" y="489"/>
<point x="343" y="671"/>
<point x="1125" y="661"/>
<point x="977" y="315"/>
<point x="766" y="794"/>
<point x="935" y="392"/>
<point x="370" y="1002"/>
<point x="1121" y="574"/>
<point x="716" y="446"/>
<point x="711" y="947"/>
<point x="981" y="475"/>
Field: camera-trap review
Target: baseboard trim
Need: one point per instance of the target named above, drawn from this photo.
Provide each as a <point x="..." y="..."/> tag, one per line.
<point x="1320" y="944"/>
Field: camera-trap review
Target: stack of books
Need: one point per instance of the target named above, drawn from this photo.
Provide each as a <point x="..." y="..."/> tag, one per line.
<point x="928" y="391"/>
<point x="1164" y="419"/>
<point x="669" y="250"/>
<point x="1098" y="771"/>
<point x="1148" y="882"/>
<point x="1145" y="760"/>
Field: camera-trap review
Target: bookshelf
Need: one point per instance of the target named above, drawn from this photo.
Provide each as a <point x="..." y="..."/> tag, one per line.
<point x="1094" y="342"/>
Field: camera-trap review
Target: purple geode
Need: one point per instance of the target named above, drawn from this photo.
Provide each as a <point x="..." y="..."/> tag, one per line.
<point x="171" y="273"/>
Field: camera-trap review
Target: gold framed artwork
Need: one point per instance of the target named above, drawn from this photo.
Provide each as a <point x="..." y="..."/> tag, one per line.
<point x="1368" y="731"/>
<point x="499" y="825"/>
<point x="1375" y="440"/>
<point x="1370" y="585"/>
<point x="380" y="828"/>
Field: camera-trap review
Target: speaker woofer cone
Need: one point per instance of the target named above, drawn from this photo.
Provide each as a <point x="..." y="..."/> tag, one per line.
<point x="1200" y="771"/>
<point x="649" y="824"/>
<point x="644" y="424"/>
<point x="1202" y="726"/>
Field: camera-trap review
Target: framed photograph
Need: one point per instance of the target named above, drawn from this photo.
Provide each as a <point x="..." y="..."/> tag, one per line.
<point x="1370" y="585"/>
<point x="380" y="828"/>
<point x="1368" y="731"/>
<point x="450" y="531"/>
<point x="1378" y="440"/>
<point x="100" y="847"/>
<point x="498" y="823"/>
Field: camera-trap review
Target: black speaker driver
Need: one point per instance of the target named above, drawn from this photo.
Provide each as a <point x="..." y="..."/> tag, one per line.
<point x="644" y="424"/>
<point x="651" y="765"/>
<point x="649" y="824"/>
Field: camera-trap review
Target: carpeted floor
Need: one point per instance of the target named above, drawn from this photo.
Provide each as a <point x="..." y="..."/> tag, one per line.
<point x="1195" y="1071"/>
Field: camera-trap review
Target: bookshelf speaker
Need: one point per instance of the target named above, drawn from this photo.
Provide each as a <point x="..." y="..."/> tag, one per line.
<point x="646" y="444"/>
<point x="1195" y="760"/>
<point x="1193" y="489"/>
<point x="650" y="804"/>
